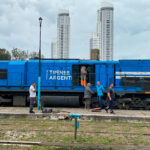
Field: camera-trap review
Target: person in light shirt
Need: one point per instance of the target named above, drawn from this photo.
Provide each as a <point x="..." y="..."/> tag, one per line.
<point x="32" y="92"/>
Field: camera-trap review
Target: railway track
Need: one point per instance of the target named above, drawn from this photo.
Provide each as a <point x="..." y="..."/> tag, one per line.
<point x="81" y="124"/>
<point x="94" y="146"/>
<point x="85" y="132"/>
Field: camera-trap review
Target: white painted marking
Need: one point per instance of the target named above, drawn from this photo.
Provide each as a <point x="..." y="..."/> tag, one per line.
<point x="120" y="77"/>
<point x="132" y="73"/>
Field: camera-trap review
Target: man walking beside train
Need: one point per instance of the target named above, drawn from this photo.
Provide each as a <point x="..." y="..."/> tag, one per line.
<point x="110" y="98"/>
<point x="100" y="91"/>
<point x="32" y="92"/>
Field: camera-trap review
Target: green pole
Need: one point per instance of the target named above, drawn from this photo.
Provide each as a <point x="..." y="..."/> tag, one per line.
<point x="75" y="131"/>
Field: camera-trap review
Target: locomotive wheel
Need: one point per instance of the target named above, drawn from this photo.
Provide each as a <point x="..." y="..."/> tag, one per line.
<point x="123" y="106"/>
<point x="120" y="106"/>
<point x="147" y="107"/>
<point x="105" y="103"/>
<point x="127" y="107"/>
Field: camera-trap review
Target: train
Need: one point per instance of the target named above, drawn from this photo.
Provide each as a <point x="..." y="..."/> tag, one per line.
<point x="61" y="81"/>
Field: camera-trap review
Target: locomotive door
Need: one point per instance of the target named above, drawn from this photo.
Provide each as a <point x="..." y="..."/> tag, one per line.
<point x="105" y="74"/>
<point x="101" y="74"/>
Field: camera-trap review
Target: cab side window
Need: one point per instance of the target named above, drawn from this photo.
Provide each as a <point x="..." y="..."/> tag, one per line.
<point x="3" y="74"/>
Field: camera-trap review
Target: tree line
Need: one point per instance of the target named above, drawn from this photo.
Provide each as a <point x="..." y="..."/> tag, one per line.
<point x="17" y="54"/>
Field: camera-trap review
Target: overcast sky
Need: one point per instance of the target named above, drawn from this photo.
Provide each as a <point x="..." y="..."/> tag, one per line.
<point x="19" y="26"/>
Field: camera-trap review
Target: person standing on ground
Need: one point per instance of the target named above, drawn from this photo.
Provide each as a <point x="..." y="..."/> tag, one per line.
<point x="87" y="95"/>
<point x="32" y="92"/>
<point x="110" y="98"/>
<point x="100" y="90"/>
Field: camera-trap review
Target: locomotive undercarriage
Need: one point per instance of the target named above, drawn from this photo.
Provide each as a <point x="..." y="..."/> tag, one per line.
<point x="132" y="101"/>
<point x="122" y="101"/>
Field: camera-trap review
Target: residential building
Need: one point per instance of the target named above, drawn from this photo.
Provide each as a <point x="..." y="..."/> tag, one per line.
<point x="54" y="52"/>
<point x="105" y="31"/>
<point x="63" y="34"/>
<point x="94" y="41"/>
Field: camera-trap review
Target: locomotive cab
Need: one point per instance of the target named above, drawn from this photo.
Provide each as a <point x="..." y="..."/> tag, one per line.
<point x="77" y="74"/>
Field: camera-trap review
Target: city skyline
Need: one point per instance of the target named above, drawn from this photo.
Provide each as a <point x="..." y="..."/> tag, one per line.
<point x="20" y="27"/>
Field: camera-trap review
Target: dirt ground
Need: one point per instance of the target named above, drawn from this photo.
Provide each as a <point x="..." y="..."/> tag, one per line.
<point x="126" y="113"/>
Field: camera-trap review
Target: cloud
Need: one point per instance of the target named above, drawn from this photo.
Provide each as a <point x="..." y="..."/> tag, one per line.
<point x="131" y="29"/>
<point x="19" y="25"/>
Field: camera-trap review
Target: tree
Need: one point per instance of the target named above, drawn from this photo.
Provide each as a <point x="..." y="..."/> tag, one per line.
<point x="35" y="55"/>
<point x="18" y="54"/>
<point x="4" y="54"/>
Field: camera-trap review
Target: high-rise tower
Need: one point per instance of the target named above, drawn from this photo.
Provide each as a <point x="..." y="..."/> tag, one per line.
<point x="63" y="34"/>
<point x="94" y="41"/>
<point x="105" y="30"/>
<point x="54" y="52"/>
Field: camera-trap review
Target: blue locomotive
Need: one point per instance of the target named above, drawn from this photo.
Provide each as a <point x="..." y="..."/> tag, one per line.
<point x="61" y="81"/>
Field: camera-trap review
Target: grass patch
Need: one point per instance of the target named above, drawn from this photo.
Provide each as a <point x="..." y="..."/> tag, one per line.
<point x="89" y="132"/>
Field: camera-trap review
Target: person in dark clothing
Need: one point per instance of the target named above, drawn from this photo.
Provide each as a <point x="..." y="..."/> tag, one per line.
<point x="110" y="98"/>
<point x="87" y="95"/>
